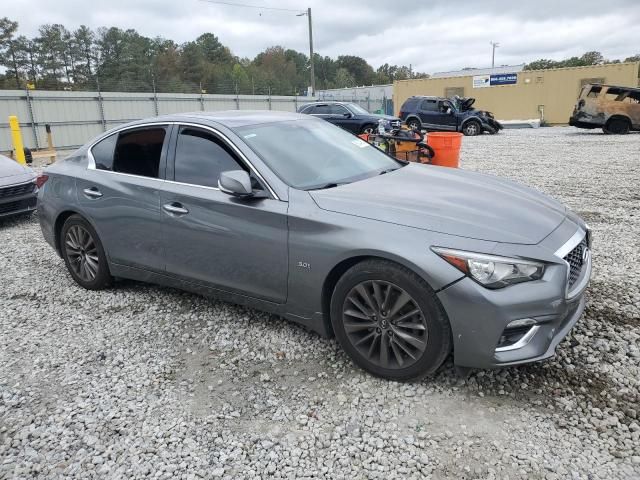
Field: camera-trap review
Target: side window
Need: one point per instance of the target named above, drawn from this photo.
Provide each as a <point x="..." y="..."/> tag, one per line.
<point x="429" y="105"/>
<point x="138" y="152"/>
<point x="322" y="110"/>
<point x="308" y="110"/>
<point x="338" y="110"/>
<point x="201" y="157"/>
<point x="103" y="152"/>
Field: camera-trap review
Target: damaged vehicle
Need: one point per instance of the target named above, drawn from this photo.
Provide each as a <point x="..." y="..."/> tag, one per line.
<point x="613" y="108"/>
<point x="454" y="114"/>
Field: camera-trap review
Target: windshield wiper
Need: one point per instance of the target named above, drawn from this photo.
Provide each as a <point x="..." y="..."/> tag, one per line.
<point x="388" y="170"/>
<point x="325" y="186"/>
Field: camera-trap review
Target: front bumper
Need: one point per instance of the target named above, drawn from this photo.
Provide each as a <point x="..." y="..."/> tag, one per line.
<point x="17" y="205"/>
<point x="479" y="317"/>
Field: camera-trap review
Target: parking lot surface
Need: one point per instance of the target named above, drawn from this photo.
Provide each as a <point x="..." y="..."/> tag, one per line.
<point x="142" y="381"/>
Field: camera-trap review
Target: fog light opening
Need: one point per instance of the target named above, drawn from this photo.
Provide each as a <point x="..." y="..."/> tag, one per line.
<point x="517" y="334"/>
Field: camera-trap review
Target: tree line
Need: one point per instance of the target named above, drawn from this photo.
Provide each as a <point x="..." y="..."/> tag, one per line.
<point x="112" y="59"/>
<point x="585" y="60"/>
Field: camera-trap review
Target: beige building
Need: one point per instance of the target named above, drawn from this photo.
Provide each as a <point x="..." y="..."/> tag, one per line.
<point x="547" y="95"/>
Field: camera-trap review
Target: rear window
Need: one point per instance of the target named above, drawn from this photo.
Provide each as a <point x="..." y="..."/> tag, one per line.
<point x="410" y="104"/>
<point x="429" y="105"/>
<point x="138" y="152"/>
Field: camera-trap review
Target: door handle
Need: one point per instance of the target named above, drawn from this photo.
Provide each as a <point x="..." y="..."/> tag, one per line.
<point x="175" y="208"/>
<point x="92" y="192"/>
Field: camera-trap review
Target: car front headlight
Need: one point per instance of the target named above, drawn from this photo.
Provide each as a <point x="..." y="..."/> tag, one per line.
<point x="492" y="271"/>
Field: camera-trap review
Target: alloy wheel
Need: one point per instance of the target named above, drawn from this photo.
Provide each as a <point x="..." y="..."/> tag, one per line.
<point x="385" y="324"/>
<point x="82" y="252"/>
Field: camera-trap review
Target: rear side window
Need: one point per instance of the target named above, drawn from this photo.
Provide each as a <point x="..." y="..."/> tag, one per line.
<point x="308" y="110"/>
<point x="322" y="110"/>
<point x="429" y="105"/>
<point x="138" y="152"/>
<point x="201" y="157"/>
<point x="409" y="105"/>
<point x="103" y="152"/>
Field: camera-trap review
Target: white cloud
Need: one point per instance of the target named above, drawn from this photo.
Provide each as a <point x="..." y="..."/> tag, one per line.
<point x="432" y="36"/>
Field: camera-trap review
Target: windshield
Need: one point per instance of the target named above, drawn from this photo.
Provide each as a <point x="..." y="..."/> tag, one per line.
<point x="308" y="154"/>
<point x="355" y="108"/>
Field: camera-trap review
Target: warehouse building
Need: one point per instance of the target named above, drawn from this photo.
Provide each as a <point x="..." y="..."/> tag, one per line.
<point x="547" y="95"/>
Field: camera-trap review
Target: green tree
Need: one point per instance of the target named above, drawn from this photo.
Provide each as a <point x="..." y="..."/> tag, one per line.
<point x="358" y="67"/>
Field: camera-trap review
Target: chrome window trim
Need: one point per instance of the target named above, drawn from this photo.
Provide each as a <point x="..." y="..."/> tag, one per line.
<point x="526" y="338"/>
<point x="570" y="244"/>
<point x="92" y="161"/>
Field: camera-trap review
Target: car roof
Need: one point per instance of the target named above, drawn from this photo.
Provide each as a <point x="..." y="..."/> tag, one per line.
<point x="423" y="96"/>
<point x="229" y="118"/>
<point x="326" y="102"/>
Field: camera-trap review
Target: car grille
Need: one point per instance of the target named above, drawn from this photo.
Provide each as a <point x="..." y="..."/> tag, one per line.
<point x="575" y="260"/>
<point x="17" y="190"/>
<point x="10" y="207"/>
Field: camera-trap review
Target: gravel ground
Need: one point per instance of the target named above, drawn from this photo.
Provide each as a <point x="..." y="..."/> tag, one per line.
<point x="141" y="381"/>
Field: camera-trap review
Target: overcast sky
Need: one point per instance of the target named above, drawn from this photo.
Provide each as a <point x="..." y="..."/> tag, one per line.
<point x="432" y="35"/>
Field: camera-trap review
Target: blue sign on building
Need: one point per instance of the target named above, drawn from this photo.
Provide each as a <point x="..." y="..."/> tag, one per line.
<point x="503" y="79"/>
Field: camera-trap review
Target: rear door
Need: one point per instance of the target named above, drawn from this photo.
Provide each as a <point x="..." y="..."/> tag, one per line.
<point x="120" y="194"/>
<point x="237" y="245"/>
<point x="428" y="113"/>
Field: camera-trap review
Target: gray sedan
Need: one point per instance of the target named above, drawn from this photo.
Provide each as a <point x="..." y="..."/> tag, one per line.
<point x="403" y="263"/>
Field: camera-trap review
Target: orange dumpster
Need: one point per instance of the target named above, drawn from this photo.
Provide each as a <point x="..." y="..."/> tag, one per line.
<point x="446" y="146"/>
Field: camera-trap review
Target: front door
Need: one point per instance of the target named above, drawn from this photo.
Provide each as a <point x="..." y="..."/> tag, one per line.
<point x="238" y="245"/>
<point x="120" y="193"/>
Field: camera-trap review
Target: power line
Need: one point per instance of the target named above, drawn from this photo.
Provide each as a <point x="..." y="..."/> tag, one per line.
<point x="251" y="6"/>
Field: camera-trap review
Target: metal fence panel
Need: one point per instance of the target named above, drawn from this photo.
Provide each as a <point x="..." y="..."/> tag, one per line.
<point x="76" y="117"/>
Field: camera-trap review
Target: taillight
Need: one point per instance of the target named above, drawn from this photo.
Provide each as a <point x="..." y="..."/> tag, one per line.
<point x="41" y="180"/>
<point x="401" y="115"/>
<point x="581" y="103"/>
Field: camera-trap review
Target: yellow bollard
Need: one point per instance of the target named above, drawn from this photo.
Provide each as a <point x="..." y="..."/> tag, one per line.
<point x="16" y="137"/>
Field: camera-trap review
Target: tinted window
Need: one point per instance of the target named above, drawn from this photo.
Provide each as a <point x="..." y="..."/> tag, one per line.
<point x="410" y="105"/>
<point x="308" y="110"/>
<point x="138" y="152"/>
<point x="200" y="157"/>
<point x="429" y="105"/>
<point x="322" y="110"/>
<point x="103" y="152"/>
<point x="338" y="109"/>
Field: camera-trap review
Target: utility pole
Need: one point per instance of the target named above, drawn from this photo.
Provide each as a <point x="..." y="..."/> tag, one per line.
<point x="313" y="73"/>
<point x="494" y="45"/>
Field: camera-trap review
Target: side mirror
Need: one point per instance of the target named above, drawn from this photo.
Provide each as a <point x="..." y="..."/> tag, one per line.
<point x="347" y="115"/>
<point x="236" y="183"/>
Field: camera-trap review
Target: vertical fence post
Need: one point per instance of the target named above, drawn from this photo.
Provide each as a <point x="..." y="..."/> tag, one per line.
<point x="368" y="102"/>
<point x="295" y="102"/>
<point x="34" y="129"/>
<point x="201" y="98"/>
<point x="155" y="95"/>
<point x="269" y="98"/>
<point x="103" y="120"/>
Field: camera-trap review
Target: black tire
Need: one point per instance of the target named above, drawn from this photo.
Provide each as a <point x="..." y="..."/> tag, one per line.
<point x="472" y="128"/>
<point x="368" y="129"/>
<point x="617" y="126"/>
<point x="414" y="124"/>
<point x="83" y="254"/>
<point x="391" y="328"/>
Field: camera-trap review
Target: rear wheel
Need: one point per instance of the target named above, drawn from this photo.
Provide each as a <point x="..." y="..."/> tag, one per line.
<point x="414" y="124"/>
<point x="617" y="126"/>
<point x="389" y="321"/>
<point x="472" y="128"/>
<point x="83" y="254"/>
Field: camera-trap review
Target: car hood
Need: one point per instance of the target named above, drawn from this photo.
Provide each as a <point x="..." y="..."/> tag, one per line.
<point x="384" y="117"/>
<point x="450" y="201"/>
<point x="12" y="172"/>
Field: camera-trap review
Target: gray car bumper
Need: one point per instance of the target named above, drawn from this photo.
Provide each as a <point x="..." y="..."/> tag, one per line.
<point x="479" y="317"/>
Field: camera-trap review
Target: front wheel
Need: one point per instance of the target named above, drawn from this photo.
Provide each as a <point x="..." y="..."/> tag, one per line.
<point x="389" y="321"/>
<point x="472" y="128"/>
<point x="368" y="129"/>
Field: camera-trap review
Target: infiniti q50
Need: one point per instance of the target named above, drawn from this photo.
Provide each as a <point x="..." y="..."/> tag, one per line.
<point x="404" y="263"/>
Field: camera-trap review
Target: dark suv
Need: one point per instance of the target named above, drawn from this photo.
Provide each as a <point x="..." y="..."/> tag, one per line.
<point x="447" y="114"/>
<point x="350" y="116"/>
